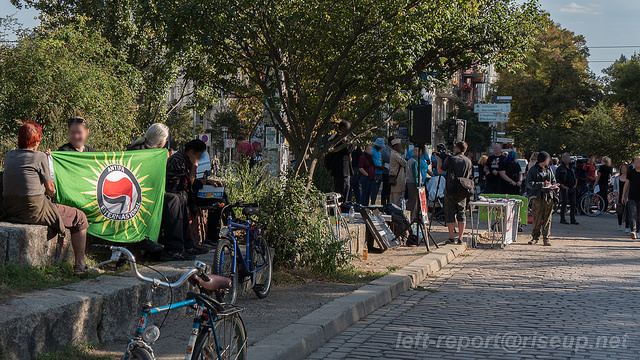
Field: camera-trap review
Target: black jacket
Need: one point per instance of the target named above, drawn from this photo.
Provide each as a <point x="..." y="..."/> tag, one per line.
<point x="566" y="175"/>
<point x="340" y="160"/>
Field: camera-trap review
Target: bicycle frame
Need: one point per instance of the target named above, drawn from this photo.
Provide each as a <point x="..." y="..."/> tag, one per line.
<point x="147" y="310"/>
<point x="250" y="243"/>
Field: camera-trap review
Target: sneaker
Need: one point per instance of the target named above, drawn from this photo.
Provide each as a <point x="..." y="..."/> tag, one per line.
<point x="534" y="241"/>
<point x="627" y="231"/>
<point x="459" y="241"/>
<point x="176" y="256"/>
<point x="563" y="221"/>
<point x="620" y="228"/>
<point x="197" y="251"/>
<point x="450" y="241"/>
<point x="633" y="236"/>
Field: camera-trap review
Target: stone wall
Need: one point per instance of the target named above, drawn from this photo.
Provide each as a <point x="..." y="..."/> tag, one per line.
<point x="33" y="245"/>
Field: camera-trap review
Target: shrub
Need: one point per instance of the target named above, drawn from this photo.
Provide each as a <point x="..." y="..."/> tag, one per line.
<point x="296" y="225"/>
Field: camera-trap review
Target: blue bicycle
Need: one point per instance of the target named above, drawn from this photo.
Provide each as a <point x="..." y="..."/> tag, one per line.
<point x="218" y="330"/>
<point x="255" y="265"/>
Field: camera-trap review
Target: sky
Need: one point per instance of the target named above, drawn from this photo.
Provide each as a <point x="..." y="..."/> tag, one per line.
<point x="609" y="23"/>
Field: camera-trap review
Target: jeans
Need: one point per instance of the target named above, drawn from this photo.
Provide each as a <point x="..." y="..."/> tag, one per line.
<point x="625" y="214"/>
<point x="634" y="215"/>
<point x="386" y="190"/>
<point x="341" y="185"/>
<point x="376" y="188"/>
<point x="604" y="192"/>
<point x="568" y="197"/>
<point x="366" y="184"/>
<point x="354" y="189"/>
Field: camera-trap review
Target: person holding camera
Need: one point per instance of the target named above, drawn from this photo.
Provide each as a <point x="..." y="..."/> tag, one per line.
<point x="459" y="187"/>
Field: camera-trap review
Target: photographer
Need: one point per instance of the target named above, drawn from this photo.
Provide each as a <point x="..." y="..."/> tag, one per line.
<point x="458" y="188"/>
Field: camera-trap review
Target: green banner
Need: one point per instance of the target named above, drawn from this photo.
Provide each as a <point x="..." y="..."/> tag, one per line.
<point x="120" y="192"/>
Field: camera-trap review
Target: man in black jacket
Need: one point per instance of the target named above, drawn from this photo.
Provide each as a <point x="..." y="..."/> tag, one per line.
<point x="339" y="162"/>
<point x="568" y="181"/>
<point x="540" y="179"/>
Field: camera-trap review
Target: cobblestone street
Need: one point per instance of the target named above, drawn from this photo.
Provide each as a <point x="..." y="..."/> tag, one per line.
<point x="576" y="299"/>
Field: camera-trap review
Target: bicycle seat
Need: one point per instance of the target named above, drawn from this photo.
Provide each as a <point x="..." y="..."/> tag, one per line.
<point x="248" y="211"/>
<point x="216" y="282"/>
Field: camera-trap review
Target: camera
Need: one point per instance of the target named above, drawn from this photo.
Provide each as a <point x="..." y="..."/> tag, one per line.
<point x="442" y="152"/>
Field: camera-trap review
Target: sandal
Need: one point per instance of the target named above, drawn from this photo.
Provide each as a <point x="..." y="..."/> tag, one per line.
<point x="79" y="270"/>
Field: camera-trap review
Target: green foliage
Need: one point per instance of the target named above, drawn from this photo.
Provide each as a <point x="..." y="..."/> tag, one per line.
<point x="72" y="353"/>
<point x="612" y="131"/>
<point x="50" y="76"/>
<point x="623" y="81"/>
<point x="312" y="63"/>
<point x="296" y="226"/>
<point x="551" y="93"/>
<point x="180" y="122"/>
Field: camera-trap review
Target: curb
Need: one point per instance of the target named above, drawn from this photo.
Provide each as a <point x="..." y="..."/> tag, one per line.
<point x="306" y="335"/>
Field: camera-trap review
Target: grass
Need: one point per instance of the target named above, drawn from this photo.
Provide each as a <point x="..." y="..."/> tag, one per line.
<point x="15" y="278"/>
<point x="348" y="275"/>
<point x="72" y="353"/>
<point x="422" y="288"/>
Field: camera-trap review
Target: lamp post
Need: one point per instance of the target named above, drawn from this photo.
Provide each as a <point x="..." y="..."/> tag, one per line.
<point x="224" y="143"/>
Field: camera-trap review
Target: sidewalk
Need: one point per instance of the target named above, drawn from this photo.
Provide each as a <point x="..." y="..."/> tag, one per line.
<point x="574" y="300"/>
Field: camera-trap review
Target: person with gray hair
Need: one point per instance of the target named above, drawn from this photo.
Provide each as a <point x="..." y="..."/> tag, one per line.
<point x="568" y="181"/>
<point x="156" y="137"/>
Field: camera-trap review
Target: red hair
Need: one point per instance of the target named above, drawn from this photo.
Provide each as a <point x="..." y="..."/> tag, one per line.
<point x="29" y="134"/>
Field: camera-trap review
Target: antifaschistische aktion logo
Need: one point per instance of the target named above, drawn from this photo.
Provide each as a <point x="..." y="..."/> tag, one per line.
<point x="120" y="192"/>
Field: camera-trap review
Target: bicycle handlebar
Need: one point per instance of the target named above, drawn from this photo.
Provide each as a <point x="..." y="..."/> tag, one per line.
<point x="117" y="252"/>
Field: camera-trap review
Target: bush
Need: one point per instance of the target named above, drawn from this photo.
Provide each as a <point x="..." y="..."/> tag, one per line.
<point x="296" y="225"/>
<point x="51" y="75"/>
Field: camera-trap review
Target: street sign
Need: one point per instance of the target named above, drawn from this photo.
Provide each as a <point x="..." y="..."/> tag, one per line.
<point x="495" y="108"/>
<point x="503" y="140"/>
<point x="493" y="117"/>
<point x="206" y="138"/>
<point x="504" y="99"/>
<point x="230" y="144"/>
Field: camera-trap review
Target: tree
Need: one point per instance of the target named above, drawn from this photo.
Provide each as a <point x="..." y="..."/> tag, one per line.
<point x="551" y="93"/>
<point x="312" y="63"/>
<point x="49" y="76"/>
<point x="135" y="39"/>
<point x="609" y="130"/>
<point x="623" y="81"/>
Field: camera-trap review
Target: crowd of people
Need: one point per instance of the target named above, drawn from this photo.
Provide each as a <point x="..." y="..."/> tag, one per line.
<point x="360" y="171"/>
<point x="28" y="189"/>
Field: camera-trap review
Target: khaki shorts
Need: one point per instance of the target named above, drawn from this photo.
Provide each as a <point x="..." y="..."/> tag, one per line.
<point x="73" y="219"/>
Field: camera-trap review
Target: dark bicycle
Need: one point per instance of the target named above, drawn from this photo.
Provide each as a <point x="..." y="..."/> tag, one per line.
<point x="254" y="265"/>
<point x="218" y="330"/>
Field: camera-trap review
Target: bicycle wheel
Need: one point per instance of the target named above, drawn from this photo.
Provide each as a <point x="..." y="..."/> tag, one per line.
<point x="223" y="266"/>
<point x="140" y="354"/>
<point x="261" y="259"/>
<point x="592" y="204"/>
<point x="231" y="339"/>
